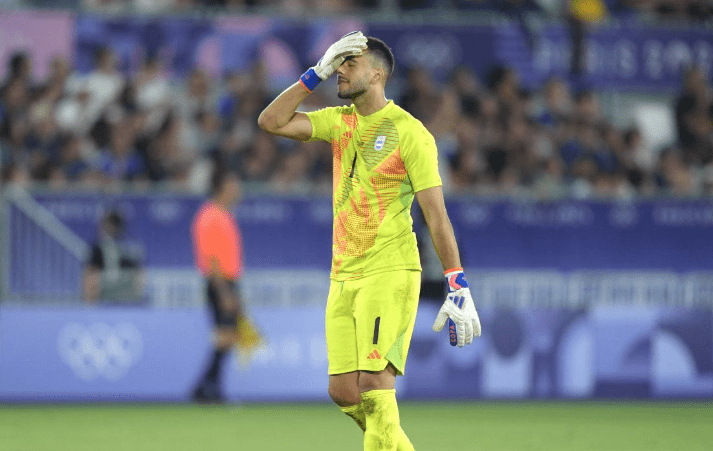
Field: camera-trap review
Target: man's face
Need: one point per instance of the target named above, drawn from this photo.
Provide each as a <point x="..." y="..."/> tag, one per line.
<point x="353" y="76"/>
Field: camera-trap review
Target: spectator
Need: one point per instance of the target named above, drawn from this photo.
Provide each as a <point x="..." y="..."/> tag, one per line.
<point x="113" y="272"/>
<point x="154" y="129"/>
<point x="152" y="91"/>
<point x="420" y="94"/>
<point x="105" y="83"/>
<point x="558" y="103"/>
<point x="694" y="118"/>
<point x="72" y="166"/>
<point x="19" y="70"/>
<point x="673" y="176"/>
<point x="292" y="173"/>
<point x="120" y="160"/>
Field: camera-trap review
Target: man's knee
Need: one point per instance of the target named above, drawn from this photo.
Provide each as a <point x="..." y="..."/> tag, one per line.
<point x="378" y="380"/>
<point x="344" y="398"/>
<point x="344" y="389"/>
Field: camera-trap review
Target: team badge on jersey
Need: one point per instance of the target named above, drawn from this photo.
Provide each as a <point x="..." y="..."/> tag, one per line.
<point x="380" y="141"/>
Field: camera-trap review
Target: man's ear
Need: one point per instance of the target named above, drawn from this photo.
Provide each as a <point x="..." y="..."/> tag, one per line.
<point x="378" y="76"/>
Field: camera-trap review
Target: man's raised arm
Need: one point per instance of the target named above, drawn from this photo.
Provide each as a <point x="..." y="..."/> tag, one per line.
<point x="281" y="116"/>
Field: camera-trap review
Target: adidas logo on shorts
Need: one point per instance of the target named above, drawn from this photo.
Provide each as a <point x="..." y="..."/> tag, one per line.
<point x="374" y="355"/>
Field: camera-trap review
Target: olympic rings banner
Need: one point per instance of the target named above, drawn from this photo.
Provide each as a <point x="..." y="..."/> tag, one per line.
<point x="135" y="354"/>
<point x="89" y="354"/>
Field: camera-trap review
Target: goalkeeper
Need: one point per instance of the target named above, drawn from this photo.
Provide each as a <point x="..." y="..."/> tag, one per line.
<point x="382" y="159"/>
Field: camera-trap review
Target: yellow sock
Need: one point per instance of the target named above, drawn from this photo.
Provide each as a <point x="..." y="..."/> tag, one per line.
<point x="381" y="413"/>
<point x="357" y="414"/>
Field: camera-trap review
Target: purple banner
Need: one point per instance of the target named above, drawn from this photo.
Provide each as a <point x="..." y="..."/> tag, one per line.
<point x="43" y="35"/>
<point x="142" y="354"/>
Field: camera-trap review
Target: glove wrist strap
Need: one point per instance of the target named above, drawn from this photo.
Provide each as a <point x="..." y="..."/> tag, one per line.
<point x="455" y="279"/>
<point x="451" y="271"/>
<point x="309" y="80"/>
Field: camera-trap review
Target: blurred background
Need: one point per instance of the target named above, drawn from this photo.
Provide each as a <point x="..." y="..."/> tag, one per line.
<point x="576" y="150"/>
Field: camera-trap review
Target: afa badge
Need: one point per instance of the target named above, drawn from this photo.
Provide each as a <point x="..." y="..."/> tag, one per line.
<point x="380" y="141"/>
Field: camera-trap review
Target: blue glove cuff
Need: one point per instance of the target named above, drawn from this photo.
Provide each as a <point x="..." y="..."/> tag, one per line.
<point x="456" y="280"/>
<point x="310" y="79"/>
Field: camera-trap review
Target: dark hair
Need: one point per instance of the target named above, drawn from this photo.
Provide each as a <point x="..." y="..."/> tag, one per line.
<point x="496" y="76"/>
<point x="381" y="51"/>
<point x="100" y="53"/>
<point x="115" y="218"/>
<point x="16" y="62"/>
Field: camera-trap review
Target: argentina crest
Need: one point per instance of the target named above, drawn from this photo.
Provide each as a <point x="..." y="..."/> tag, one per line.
<point x="380" y="141"/>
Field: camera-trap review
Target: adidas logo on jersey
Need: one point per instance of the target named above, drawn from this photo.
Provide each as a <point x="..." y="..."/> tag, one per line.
<point x="374" y="355"/>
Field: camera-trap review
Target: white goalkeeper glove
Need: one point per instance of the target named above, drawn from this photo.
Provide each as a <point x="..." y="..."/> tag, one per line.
<point x="459" y="310"/>
<point x="350" y="44"/>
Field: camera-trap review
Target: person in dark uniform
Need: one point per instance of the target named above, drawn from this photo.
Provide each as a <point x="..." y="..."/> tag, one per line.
<point x="217" y="245"/>
<point x="114" y="269"/>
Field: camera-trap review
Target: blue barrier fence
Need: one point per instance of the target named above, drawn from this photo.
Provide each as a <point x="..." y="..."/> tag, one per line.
<point x="296" y="233"/>
<point x="519" y="253"/>
<point x="283" y="233"/>
<point x="140" y="355"/>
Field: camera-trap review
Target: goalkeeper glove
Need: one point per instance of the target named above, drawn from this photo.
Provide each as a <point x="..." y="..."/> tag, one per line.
<point x="350" y="44"/>
<point x="459" y="310"/>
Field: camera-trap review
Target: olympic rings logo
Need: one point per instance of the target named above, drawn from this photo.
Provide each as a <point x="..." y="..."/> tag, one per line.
<point x="100" y="350"/>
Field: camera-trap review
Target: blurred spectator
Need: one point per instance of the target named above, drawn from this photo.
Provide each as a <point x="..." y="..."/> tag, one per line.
<point x="672" y="9"/>
<point x="120" y="160"/>
<point x="152" y="91"/>
<point x="673" y="176"/>
<point x="18" y="70"/>
<point x="420" y="94"/>
<point x="558" y="103"/>
<point x="113" y="271"/>
<point x="550" y="183"/>
<point x="292" y="173"/>
<point x="694" y="117"/>
<point x="105" y="83"/>
<point x="110" y="130"/>
<point x="72" y="166"/>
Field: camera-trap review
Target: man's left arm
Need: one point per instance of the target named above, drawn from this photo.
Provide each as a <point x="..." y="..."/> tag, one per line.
<point x="458" y="306"/>
<point x="434" y="211"/>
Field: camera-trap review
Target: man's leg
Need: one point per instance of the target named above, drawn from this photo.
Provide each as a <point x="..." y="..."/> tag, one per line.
<point x="209" y="387"/>
<point x="385" y="314"/>
<point x="345" y="391"/>
<point x="383" y="426"/>
<point x="224" y="314"/>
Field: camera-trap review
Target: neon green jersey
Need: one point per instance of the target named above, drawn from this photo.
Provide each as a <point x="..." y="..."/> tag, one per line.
<point x="379" y="162"/>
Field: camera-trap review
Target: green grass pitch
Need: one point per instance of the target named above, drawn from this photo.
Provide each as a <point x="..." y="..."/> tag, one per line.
<point x="494" y="426"/>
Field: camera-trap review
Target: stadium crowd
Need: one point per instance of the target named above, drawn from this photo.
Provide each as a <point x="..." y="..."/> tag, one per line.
<point x="681" y="10"/>
<point x="108" y="130"/>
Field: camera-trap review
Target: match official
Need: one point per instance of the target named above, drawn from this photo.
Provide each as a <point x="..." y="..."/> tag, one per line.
<point x="382" y="158"/>
<point x="219" y="257"/>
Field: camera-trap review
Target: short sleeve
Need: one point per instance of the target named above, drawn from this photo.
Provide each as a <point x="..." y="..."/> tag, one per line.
<point x="323" y="121"/>
<point x="420" y="156"/>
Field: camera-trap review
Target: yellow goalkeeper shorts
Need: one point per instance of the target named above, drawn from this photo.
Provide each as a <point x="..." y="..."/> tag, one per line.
<point x="369" y="321"/>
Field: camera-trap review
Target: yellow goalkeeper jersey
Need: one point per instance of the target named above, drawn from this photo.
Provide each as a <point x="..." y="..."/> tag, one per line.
<point x="379" y="162"/>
